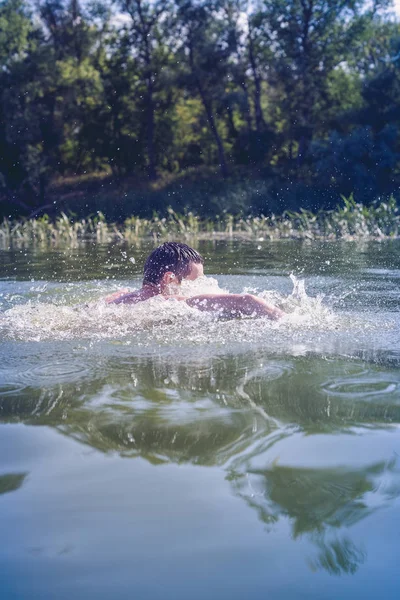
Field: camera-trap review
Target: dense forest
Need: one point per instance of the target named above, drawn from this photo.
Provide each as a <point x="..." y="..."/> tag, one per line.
<point x="209" y="105"/>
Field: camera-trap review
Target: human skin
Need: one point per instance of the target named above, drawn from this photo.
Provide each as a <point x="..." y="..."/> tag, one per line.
<point x="236" y="305"/>
<point x="149" y="290"/>
<point x="233" y="305"/>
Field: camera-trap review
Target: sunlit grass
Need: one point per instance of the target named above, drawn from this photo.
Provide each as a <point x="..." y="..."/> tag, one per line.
<point x="349" y="221"/>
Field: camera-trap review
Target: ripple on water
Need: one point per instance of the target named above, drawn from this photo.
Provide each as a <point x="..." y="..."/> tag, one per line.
<point x="10" y="389"/>
<point x="364" y="386"/>
<point x="65" y="371"/>
<point x="166" y="425"/>
<point x="50" y="374"/>
<point x="257" y="378"/>
<point x="264" y="373"/>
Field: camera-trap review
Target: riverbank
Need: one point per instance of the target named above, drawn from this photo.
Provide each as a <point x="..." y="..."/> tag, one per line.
<point x="200" y="190"/>
<point x="350" y="221"/>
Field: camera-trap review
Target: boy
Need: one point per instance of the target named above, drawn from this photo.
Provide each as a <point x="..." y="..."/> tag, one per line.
<point x="169" y="264"/>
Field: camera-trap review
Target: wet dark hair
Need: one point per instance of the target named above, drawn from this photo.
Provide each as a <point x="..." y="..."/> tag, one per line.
<point x="171" y="256"/>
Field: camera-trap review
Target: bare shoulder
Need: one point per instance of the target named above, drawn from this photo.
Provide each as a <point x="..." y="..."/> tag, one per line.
<point x="130" y="298"/>
<point x="111" y="297"/>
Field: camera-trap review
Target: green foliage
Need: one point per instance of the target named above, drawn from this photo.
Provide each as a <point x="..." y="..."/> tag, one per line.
<point x="311" y="40"/>
<point x="351" y="221"/>
<point x="15" y="27"/>
<point x="363" y="162"/>
<point x="292" y="102"/>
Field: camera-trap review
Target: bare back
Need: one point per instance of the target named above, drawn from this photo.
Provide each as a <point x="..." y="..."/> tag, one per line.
<point x="125" y="297"/>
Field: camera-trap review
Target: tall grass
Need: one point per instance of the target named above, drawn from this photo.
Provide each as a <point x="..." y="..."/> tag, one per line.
<point x="350" y="221"/>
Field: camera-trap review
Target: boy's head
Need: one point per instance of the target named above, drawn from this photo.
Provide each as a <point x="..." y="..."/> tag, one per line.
<point x="172" y="261"/>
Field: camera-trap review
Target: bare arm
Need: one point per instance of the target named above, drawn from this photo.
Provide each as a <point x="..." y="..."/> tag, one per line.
<point x="113" y="297"/>
<point x="236" y="305"/>
<point x="132" y="297"/>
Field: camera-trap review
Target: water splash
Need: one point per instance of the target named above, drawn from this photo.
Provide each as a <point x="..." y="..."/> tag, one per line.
<point x="201" y="285"/>
<point x="52" y="314"/>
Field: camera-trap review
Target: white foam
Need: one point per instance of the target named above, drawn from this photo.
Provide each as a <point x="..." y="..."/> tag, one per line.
<point x="157" y="319"/>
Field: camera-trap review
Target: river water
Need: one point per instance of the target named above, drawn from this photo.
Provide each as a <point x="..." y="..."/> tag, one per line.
<point x="158" y="452"/>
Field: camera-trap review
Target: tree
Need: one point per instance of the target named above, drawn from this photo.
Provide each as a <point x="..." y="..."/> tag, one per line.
<point x="361" y="153"/>
<point x="205" y="47"/>
<point x="49" y="95"/>
<point x="309" y="40"/>
<point x="15" y="30"/>
<point x="146" y="36"/>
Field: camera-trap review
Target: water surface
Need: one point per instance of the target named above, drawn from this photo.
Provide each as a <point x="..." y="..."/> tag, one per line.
<point x="157" y="452"/>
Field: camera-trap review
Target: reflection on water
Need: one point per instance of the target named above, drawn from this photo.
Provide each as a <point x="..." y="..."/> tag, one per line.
<point x="235" y="411"/>
<point x="319" y="503"/>
<point x="161" y="402"/>
<point x="11" y="482"/>
<point x="338" y="557"/>
<point x="300" y="420"/>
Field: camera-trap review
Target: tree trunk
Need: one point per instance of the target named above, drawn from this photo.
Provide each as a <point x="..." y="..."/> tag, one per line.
<point x="150" y="129"/>
<point x="246" y="111"/>
<point x="210" y="118"/>
<point x="211" y="121"/>
<point x="307" y="87"/>
<point x="231" y="124"/>
<point x="260" y="124"/>
<point x="145" y="27"/>
<point x="150" y="114"/>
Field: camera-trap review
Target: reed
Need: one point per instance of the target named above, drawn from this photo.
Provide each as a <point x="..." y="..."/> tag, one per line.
<point x="349" y="221"/>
